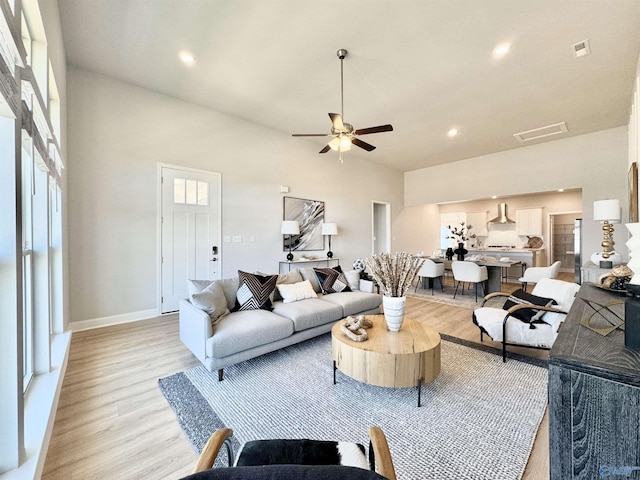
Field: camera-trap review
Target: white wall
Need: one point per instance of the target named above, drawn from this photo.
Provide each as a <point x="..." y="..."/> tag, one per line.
<point x="118" y="134"/>
<point x="596" y="163"/>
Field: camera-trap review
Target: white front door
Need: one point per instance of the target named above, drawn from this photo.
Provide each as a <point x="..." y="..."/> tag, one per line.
<point x="190" y="233"/>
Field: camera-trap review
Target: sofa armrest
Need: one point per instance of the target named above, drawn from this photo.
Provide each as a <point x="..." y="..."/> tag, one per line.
<point x="195" y="328"/>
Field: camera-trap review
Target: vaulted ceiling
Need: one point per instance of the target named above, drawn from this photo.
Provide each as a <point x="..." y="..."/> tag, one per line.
<point x="425" y="66"/>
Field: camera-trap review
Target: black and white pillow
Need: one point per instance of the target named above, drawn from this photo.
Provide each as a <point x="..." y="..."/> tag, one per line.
<point x="302" y="452"/>
<point x="332" y="280"/>
<point x="528" y="315"/>
<point x="254" y="291"/>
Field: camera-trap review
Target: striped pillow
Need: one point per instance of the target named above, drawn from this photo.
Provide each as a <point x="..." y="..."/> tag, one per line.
<point x="254" y="291"/>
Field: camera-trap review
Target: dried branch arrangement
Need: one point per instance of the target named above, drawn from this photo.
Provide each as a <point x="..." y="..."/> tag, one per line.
<point x="394" y="272"/>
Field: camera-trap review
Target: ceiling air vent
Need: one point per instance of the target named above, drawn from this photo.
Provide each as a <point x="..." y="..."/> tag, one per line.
<point x="581" y="49"/>
<point x="541" y="132"/>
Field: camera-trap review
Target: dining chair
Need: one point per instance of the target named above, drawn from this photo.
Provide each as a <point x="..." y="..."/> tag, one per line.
<point x="469" y="272"/>
<point x="535" y="274"/>
<point x="432" y="271"/>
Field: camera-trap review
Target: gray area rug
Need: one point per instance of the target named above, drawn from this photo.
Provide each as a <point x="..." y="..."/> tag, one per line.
<point x="478" y="419"/>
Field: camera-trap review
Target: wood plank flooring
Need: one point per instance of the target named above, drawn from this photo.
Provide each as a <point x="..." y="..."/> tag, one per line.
<point x="113" y="422"/>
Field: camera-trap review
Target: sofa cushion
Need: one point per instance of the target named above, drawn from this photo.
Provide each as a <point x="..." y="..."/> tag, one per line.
<point x="308" y="313"/>
<point x="354" y="302"/>
<point x="212" y="301"/>
<point x="254" y="291"/>
<point x="332" y="280"/>
<point x="243" y="330"/>
<point x="308" y="274"/>
<point x="286" y="279"/>
<point x="296" y="291"/>
<point x="353" y="278"/>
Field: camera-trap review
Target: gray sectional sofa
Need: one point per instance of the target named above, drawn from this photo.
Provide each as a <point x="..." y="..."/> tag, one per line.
<point x="241" y="335"/>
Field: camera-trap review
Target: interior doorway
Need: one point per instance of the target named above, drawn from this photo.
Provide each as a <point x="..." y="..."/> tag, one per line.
<point x="381" y="228"/>
<point x="562" y="236"/>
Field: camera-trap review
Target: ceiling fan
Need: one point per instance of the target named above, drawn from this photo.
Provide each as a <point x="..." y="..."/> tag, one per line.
<point x="343" y="134"/>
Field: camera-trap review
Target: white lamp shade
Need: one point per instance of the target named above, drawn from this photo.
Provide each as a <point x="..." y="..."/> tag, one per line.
<point x="290" y="227"/>
<point x="329" y="229"/>
<point x="606" y="210"/>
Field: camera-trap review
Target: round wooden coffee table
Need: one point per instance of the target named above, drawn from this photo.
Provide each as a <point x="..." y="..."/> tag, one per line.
<point x="407" y="358"/>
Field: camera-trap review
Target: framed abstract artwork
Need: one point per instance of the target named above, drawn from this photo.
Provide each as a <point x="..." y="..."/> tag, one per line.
<point x="633" y="193"/>
<point x="310" y="215"/>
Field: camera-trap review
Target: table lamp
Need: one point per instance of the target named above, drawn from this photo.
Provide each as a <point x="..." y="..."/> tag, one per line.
<point x="608" y="212"/>
<point x="329" y="229"/>
<point x="290" y="227"/>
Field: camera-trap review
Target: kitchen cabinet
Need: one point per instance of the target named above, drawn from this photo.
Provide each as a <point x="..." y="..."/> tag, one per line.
<point x="529" y="221"/>
<point x="479" y="223"/>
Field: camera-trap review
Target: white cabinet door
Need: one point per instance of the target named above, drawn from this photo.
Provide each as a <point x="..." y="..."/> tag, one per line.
<point x="529" y="221"/>
<point x="479" y="223"/>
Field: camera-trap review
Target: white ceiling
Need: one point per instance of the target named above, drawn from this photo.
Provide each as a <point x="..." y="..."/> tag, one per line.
<point x="424" y="66"/>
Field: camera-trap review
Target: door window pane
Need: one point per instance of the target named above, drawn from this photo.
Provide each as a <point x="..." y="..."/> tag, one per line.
<point x="203" y="193"/>
<point x="192" y="192"/>
<point x="178" y="190"/>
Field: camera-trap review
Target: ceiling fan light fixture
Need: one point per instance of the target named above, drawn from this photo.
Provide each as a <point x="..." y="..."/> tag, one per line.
<point x="341" y="143"/>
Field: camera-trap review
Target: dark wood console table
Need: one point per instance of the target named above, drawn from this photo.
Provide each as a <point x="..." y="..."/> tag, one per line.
<point x="594" y="398"/>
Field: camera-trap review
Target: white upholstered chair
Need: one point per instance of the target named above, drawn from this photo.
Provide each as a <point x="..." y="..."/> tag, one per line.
<point x="431" y="270"/>
<point x="469" y="272"/>
<point x="540" y="329"/>
<point x="535" y="274"/>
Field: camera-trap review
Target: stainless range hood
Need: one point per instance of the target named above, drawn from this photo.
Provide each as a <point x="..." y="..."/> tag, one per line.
<point x="502" y="215"/>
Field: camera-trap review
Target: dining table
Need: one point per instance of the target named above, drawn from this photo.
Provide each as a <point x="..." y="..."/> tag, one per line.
<point x="494" y="269"/>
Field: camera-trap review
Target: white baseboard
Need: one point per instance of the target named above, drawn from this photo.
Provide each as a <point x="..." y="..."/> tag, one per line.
<point x="112" y="320"/>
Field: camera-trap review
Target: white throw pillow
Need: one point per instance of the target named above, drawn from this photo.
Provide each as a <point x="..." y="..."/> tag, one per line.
<point x="212" y="301"/>
<point x="353" y="279"/>
<point x="196" y="286"/>
<point x="294" y="292"/>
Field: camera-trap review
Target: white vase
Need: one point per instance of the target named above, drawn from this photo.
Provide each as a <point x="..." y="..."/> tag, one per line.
<point x="394" y="311"/>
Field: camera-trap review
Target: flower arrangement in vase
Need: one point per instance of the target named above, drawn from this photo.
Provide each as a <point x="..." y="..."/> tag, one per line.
<point x="395" y="274"/>
<point x="460" y="236"/>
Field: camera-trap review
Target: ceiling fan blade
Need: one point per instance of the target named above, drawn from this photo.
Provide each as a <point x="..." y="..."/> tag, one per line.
<point x="361" y="144"/>
<point x="381" y="128"/>
<point x="336" y="119"/>
<point x="325" y="149"/>
<point x="309" y="135"/>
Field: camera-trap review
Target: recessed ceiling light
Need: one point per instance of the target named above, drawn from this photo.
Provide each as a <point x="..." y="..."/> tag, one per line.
<point x="187" y="57"/>
<point x="494" y="197"/>
<point x="561" y="189"/>
<point x="501" y="50"/>
<point x="452" y="132"/>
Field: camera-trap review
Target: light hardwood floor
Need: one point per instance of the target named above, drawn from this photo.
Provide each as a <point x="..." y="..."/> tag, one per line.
<point x="113" y="422"/>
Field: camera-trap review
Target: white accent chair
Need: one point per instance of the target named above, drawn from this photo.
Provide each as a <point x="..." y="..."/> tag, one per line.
<point x="469" y="272"/>
<point x="535" y="274"/>
<point x="431" y="270"/>
<point x="502" y="327"/>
